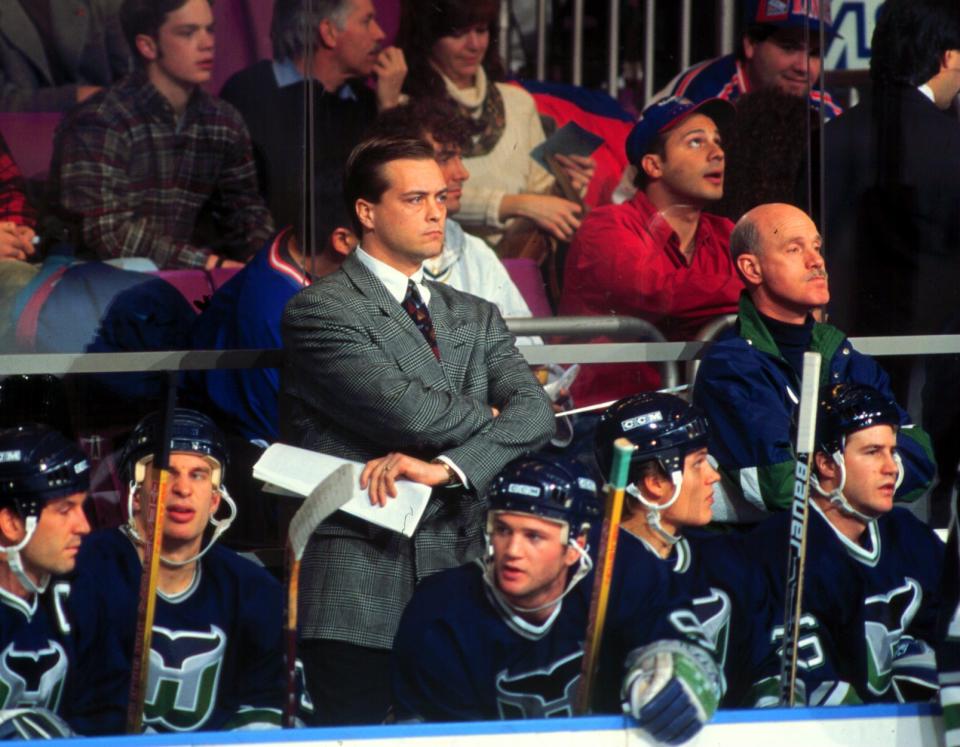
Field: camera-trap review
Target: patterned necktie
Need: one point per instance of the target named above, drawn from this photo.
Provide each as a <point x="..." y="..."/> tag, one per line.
<point x="418" y="311"/>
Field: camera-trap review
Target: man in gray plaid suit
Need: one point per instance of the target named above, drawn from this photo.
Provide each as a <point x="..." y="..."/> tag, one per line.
<point x="421" y="382"/>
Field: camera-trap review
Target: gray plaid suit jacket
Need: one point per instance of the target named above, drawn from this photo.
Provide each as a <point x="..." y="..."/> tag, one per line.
<point x="361" y="381"/>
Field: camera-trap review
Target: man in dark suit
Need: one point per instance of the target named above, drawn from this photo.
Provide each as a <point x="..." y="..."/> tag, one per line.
<point x="893" y="199"/>
<point x="56" y="53"/>
<point x="419" y="381"/>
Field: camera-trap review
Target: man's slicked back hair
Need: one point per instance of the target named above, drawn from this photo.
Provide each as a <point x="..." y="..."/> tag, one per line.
<point x="438" y="118"/>
<point x="364" y="177"/>
<point x="910" y="38"/>
<point x="294" y="24"/>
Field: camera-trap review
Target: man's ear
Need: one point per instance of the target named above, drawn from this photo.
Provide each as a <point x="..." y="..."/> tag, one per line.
<point x="12" y="526"/>
<point x="655" y="487"/>
<point x="343" y="241"/>
<point x="328" y="33"/>
<point x="146" y="46"/>
<point x="365" y="212"/>
<point x="652" y="165"/>
<point x="826" y="467"/>
<point x="749" y="267"/>
<point x="749" y="47"/>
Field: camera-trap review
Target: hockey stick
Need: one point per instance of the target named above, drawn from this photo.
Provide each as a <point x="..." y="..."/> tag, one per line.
<point x="799" y="516"/>
<point x="153" y="526"/>
<point x="603" y="573"/>
<point x="331" y="493"/>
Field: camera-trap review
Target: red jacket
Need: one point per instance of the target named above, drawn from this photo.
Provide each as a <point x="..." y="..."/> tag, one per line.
<point x="625" y="260"/>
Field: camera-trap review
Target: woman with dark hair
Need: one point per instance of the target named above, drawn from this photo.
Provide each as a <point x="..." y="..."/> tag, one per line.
<point x="451" y="52"/>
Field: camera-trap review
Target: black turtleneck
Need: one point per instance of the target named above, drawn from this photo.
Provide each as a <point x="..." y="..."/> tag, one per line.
<point x="792" y="339"/>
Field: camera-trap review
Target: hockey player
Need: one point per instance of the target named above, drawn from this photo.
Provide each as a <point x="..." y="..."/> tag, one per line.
<point x="44" y="479"/>
<point x="872" y="579"/>
<point x="216" y="659"/>
<point x="503" y="637"/>
<point x="670" y="496"/>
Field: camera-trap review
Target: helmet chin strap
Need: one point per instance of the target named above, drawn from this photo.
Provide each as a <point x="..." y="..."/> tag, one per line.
<point x="836" y="496"/>
<point x="16" y="562"/>
<point x="583" y="568"/>
<point x="654" y="509"/>
<point x="219" y="525"/>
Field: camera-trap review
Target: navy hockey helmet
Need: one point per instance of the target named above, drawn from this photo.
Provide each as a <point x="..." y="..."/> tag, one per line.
<point x="662" y="427"/>
<point x="38" y="464"/>
<point x="557" y="489"/>
<point x="848" y="408"/>
<point x="191" y="432"/>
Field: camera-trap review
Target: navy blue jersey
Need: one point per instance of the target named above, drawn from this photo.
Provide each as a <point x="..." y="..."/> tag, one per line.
<point x="35" y="649"/>
<point x="216" y="659"/>
<point x="731" y="600"/>
<point x="461" y="655"/>
<point x="869" y="608"/>
<point x="948" y="637"/>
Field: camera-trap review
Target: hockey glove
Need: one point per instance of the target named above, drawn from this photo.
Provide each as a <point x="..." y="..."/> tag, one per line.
<point x="671" y="689"/>
<point x="914" y="672"/>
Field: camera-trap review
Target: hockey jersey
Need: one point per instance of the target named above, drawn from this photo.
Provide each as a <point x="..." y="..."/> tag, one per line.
<point x="869" y="609"/>
<point x="216" y="659"/>
<point x="731" y="601"/>
<point x="461" y="655"/>
<point x="35" y="650"/>
<point x="948" y="636"/>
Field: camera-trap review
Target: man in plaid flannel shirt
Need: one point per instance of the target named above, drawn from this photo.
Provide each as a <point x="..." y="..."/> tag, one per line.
<point x="17" y="217"/>
<point x="145" y="164"/>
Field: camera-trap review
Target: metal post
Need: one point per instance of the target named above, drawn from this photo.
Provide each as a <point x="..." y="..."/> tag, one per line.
<point x="577" y="42"/>
<point x="727" y="18"/>
<point x="613" y="50"/>
<point x="686" y="18"/>
<point x="649" y="39"/>
<point x="541" y="39"/>
<point x="503" y="38"/>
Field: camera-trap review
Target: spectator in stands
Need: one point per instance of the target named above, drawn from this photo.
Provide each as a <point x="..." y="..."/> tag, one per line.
<point x="146" y="165"/>
<point x="338" y="43"/>
<point x="773" y="53"/>
<point x="749" y="380"/>
<point x="659" y="257"/>
<point x="17" y="216"/>
<point x="452" y="51"/>
<point x="893" y="202"/>
<point x="423" y="383"/>
<point x="55" y="54"/>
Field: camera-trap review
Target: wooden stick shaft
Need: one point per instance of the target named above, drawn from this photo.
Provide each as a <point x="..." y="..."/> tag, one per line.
<point x="147" y="607"/>
<point x="603" y="573"/>
<point x="293" y="589"/>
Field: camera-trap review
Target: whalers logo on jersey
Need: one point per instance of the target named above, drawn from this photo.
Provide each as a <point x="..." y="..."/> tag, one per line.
<point x="184" y="676"/>
<point x="886" y="618"/>
<point x="543" y="693"/>
<point x="32" y="679"/>
<point x="713" y="612"/>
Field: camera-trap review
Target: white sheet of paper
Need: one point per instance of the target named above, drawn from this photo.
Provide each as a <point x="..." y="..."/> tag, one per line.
<point x="292" y="470"/>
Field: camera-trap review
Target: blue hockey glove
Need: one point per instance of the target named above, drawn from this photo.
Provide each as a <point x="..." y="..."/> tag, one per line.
<point x="671" y="689"/>
<point x="914" y="672"/>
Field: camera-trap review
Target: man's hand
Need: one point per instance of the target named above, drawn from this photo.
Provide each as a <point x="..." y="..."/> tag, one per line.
<point x="379" y="475"/>
<point x="85" y="92"/>
<point x="214" y="261"/>
<point x="555" y="215"/>
<point x="16" y="242"/>
<point x="580" y="170"/>
<point x="390" y="70"/>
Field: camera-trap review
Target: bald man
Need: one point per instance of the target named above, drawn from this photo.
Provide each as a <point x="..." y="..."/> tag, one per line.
<point x="749" y="380"/>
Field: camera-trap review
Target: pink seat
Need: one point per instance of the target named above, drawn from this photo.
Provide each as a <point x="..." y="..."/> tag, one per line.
<point x="220" y="275"/>
<point x="194" y="285"/>
<point x="29" y="136"/>
<point x="527" y="277"/>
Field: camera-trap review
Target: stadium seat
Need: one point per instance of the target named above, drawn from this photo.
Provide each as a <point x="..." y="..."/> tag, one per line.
<point x="526" y="275"/>
<point x="194" y="285"/>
